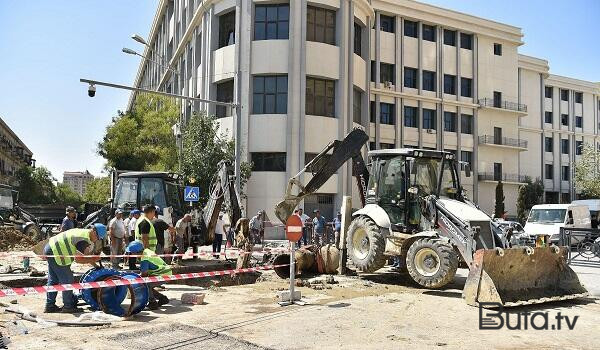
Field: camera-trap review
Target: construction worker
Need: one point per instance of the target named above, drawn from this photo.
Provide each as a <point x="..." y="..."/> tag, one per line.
<point x="182" y="231"/>
<point x="144" y="229"/>
<point x="151" y="265"/>
<point x="131" y="228"/>
<point x="76" y="241"/>
<point x="69" y="220"/>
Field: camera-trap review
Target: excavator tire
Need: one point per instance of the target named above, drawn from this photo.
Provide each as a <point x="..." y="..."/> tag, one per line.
<point x="431" y="262"/>
<point x="34" y="232"/>
<point x="366" y="245"/>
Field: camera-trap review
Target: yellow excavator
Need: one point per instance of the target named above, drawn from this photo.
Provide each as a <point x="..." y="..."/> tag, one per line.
<point x="414" y="208"/>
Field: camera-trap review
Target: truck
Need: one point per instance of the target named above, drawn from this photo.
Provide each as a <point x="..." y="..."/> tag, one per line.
<point x="547" y="219"/>
<point x="415" y="209"/>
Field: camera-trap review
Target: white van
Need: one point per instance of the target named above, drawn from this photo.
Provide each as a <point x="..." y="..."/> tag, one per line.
<point x="547" y="219"/>
<point x="594" y="207"/>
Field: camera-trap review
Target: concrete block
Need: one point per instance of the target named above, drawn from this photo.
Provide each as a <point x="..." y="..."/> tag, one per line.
<point x="192" y="298"/>
<point x="284" y="295"/>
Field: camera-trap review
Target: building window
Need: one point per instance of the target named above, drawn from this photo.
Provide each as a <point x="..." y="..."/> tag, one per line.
<point x="548" y="117"/>
<point x="564" y="95"/>
<point x="372" y="111"/>
<point x="428" y="32"/>
<point x="450" y="84"/>
<point x="548" y="91"/>
<point x="357" y="106"/>
<point x="386" y="113"/>
<point x="497" y="171"/>
<point x="320" y="25"/>
<point x="320" y="97"/>
<point x="497" y="49"/>
<point x="411" y="29"/>
<point x="578" y="148"/>
<point x="410" y="77"/>
<point x="565" y="173"/>
<point x="497" y="99"/>
<point x="386" y="23"/>
<point x="549" y="144"/>
<point x="271" y="22"/>
<point x="429" y="119"/>
<point x="428" y="80"/>
<point x="578" y="97"/>
<point x="548" y="171"/>
<point x="564" y="146"/>
<point x="466" y="156"/>
<point x="357" y="39"/>
<point x="227" y="29"/>
<point x="466" y="124"/>
<point x="224" y="94"/>
<point x="264" y="161"/>
<point x="449" y="37"/>
<point x="564" y="119"/>
<point x="410" y="117"/>
<point x="466" y="87"/>
<point x="384" y="145"/>
<point x="578" y="122"/>
<point x="269" y="94"/>
<point x="386" y="73"/>
<point x="466" y="41"/>
<point x="450" y="121"/>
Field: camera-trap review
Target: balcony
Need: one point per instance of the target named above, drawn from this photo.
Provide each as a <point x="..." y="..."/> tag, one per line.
<point x="495" y="103"/>
<point x="502" y="141"/>
<point x="506" y="178"/>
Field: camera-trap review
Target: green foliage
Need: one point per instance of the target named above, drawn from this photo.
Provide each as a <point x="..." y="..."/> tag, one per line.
<point x="203" y="148"/>
<point x="36" y="186"/>
<point x="499" y="206"/>
<point x="66" y="196"/>
<point x="142" y="139"/>
<point x="587" y="172"/>
<point x="97" y="190"/>
<point x="530" y="194"/>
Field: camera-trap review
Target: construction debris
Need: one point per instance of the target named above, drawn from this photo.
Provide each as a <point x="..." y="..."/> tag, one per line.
<point x="193" y="298"/>
<point x="11" y="239"/>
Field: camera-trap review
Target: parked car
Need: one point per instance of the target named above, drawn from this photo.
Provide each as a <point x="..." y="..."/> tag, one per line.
<point x="547" y="219"/>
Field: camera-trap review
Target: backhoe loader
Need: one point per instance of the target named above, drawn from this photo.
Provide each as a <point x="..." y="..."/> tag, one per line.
<point x="414" y="208"/>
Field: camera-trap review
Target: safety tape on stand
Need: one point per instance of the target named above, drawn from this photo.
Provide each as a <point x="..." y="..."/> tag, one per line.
<point x="123" y="282"/>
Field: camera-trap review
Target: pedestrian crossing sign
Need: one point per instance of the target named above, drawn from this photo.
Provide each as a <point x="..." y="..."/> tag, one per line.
<point x="191" y="194"/>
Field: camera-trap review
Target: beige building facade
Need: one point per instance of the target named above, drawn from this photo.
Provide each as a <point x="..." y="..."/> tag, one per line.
<point x="77" y="180"/>
<point x="14" y="155"/>
<point x="412" y="74"/>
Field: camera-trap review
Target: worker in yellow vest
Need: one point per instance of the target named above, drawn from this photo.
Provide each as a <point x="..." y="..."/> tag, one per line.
<point x="63" y="249"/>
<point x="151" y="265"/>
<point x="144" y="229"/>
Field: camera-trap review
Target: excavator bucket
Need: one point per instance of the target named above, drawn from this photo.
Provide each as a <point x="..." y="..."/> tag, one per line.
<point x="521" y="276"/>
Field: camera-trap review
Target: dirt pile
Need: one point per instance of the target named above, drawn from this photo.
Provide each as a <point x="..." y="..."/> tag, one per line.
<point x="12" y="239"/>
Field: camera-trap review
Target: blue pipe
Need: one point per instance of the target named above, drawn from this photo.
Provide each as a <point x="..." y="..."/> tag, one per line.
<point x="109" y="299"/>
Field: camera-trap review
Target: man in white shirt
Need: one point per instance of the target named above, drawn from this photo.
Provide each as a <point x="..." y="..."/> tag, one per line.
<point x="135" y="215"/>
<point x="305" y="228"/>
<point x="256" y="227"/>
<point x="219" y="232"/>
<point x="182" y="230"/>
<point x="116" y="232"/>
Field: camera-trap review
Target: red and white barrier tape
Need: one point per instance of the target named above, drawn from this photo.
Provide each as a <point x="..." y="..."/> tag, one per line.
<point x="123" y="282"/>
<point x="234" y="252"/>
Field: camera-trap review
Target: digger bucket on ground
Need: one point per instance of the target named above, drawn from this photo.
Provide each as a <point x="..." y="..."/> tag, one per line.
<point x="521" y="276"/>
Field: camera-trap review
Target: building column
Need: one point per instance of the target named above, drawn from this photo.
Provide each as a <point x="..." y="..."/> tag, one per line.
<point x="377" y="77"/>
<point x="399" y="108"/>
<point x="475" y="83"/>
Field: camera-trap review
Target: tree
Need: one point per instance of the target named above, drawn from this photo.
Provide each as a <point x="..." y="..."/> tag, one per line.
<point x="66" y="196"/>
<point x="97" y="190"/>
<point x="142" y="139"/>
<point x="499" y="207"/>
<point x="35" y="185"/>
<point x="587" y="172"/>
<point x="203" y="148"/>
<point x="530" y="194"/>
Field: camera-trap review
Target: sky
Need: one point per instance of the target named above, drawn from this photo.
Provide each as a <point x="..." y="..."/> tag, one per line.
<point x="46" y="46"/>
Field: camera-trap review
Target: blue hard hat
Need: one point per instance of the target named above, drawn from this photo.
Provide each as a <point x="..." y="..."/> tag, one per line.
<point x="136" y="211"/>
<point x="100" y="230"/>
<point x="134" y="247"/>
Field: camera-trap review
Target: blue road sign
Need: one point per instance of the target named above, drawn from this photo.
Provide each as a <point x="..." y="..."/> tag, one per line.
<point x="191" y="194"/>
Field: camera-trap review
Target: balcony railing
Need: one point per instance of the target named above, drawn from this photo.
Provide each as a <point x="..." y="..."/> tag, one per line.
<point x="501" y="176"/>
<point x="513" y="106"/>
<point x="502" y="141"/>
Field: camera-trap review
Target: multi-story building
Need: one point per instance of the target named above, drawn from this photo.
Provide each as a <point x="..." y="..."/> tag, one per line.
<point x="412" y="74"/>
<point x="14" y="155"/>
<point x="77" y="180"/>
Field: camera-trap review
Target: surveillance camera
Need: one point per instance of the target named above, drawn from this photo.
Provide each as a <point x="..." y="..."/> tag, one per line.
<point x="92" y="90"/>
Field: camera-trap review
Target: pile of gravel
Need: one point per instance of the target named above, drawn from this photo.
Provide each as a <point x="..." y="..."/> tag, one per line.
<point x="13" y="239"/>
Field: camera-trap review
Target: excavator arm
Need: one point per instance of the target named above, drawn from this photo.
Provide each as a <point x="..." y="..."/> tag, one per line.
<point x="322" y="167"/>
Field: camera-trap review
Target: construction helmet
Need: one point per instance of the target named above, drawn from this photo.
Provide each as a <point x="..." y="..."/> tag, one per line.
<point x="134" y="247"/>
<point x="100" y="230"/>
<point x="70" y="209"/>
